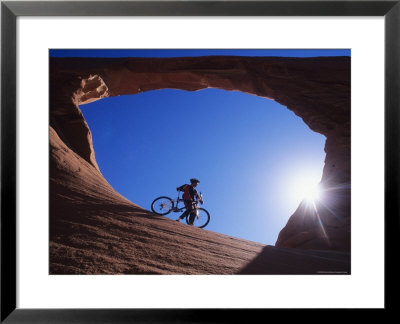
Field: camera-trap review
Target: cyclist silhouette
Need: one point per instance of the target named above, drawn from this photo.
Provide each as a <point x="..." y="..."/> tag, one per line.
<point x="190" y="197"/>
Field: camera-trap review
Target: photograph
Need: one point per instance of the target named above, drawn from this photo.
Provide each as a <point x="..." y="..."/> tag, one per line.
<point x="199" y="161"/>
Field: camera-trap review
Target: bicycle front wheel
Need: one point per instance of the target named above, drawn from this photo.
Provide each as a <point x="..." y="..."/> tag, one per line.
<point x="199" y="218"/>
<point x="162" y="205"/>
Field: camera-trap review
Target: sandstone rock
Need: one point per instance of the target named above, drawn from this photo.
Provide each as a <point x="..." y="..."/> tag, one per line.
<point x="315" y="89"/>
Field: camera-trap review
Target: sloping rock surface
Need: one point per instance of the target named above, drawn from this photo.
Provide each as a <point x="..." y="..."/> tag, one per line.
<point x="94" y="230"/>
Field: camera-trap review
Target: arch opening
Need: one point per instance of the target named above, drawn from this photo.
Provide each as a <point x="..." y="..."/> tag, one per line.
<point x="249" y="152"/>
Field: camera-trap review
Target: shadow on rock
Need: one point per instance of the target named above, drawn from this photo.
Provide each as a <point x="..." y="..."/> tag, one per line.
<point x="273" y="260"/>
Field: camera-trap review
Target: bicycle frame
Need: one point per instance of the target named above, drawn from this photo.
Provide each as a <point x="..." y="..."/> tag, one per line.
<point x="178" y="200"/>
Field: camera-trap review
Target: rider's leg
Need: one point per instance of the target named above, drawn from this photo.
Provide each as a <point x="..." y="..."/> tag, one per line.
<point x="188" y="205"/>
<point x="191" y="217"/>
<point x="192" y="212"/>
<point x="185" y="213"/>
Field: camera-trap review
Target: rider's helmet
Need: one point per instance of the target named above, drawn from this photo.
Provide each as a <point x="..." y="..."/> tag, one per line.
<point x="194" y="180"/>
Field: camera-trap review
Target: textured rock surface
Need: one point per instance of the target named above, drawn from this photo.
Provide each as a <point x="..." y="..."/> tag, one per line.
<point x="92" y="224"/>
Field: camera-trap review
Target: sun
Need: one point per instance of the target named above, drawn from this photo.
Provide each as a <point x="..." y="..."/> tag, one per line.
<point x="306" y="187"/>
<point x="312" y="193"/>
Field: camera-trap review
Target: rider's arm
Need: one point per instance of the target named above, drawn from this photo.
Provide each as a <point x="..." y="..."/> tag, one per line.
<point x="195" y="195"/>
<point x="198" y="197"/>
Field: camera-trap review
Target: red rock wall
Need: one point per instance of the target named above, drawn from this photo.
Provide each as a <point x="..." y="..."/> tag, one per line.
<point x="315" y="89"/>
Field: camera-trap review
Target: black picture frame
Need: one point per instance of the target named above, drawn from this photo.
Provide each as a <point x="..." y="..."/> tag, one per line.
<point x="10" y="10"/>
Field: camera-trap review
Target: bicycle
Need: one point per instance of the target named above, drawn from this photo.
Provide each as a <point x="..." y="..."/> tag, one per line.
<point x="164" y="205"/>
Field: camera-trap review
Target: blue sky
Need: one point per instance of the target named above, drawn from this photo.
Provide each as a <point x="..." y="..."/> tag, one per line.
<point x="250" y="153"/>
<point x="195" y="52"/>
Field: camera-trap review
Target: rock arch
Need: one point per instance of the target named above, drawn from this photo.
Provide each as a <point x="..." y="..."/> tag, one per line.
<point x="315" y="89"/>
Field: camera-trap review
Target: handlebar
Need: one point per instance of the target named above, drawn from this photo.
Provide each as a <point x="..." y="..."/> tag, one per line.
<point x="201" y="198"/>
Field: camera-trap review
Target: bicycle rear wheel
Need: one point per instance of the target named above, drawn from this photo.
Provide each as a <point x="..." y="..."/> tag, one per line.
<point x="199" y="218"/>
<point x="162" y="205"/>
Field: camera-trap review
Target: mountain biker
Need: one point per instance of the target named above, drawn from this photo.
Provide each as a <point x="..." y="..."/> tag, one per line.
<point x="190" y="197"/>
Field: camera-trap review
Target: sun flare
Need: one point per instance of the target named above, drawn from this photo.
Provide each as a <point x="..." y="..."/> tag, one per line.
<point x="306" y="188"/>
<point x="312" y="193"/>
